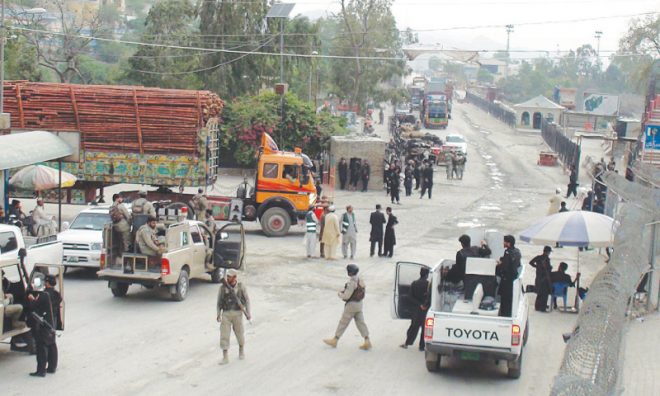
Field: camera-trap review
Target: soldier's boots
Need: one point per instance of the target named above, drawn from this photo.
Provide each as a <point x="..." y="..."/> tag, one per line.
<point x="225" y="357"/>
<point x="367" y="344"/>
<point x="241" y="353"/>
<point x="331" y="341"/>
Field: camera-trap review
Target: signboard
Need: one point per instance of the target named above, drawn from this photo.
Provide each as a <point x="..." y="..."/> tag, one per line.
<point x="600" y="104"/>
<point x="652" y="137"/>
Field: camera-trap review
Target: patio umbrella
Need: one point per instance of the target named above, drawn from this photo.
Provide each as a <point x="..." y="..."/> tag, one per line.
<point x="40" y="177"/>
<point x="576" y="228"/>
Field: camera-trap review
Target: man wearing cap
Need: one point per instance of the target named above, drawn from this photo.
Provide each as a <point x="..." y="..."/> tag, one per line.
<point x="147" y="240"/>
<point x="200" y="204"/>
<point x="143" y="206"/>
<point x="40" y="220"/>
<point x="39" y="303"/>
<point x="507" y="268"/>
<point x="555" y="201"/>
<point x="542" y="282"/>
<point x="233" y="303"/>
<point x="311" y="223"/>
<point x="120" y="221"/>
<point x="331" y="233"/>
<point x="353" y="294"/>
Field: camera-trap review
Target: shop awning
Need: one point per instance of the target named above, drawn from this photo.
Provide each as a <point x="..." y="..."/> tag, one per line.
<point x="26" y="148"/>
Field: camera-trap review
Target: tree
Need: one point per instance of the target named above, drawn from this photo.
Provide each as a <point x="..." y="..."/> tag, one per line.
<point x="21" y="61"/>
<point x="245" y="118"/>
<point x="366" y="28"/>
<point x="435" y="63"/>
<point x="643" y="36"/>
<point x="485" y="76"/>
<point x="61" y="53"/>
<point x="239" y="25"/>
<point x="168" y="22"/>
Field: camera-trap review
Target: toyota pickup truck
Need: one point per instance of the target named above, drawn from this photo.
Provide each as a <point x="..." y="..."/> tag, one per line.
<point x="462" y="320"/>
<point x="192" y="251"/>
<point x="82" y="240"/>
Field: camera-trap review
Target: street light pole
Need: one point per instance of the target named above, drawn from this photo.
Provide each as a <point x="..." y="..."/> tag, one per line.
<point x="3" y="38"/>
<point x="509" y="30"/>
<point x="598" y="36"/>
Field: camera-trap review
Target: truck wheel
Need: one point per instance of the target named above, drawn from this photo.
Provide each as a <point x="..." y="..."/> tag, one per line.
<point x="119" y="289"/>
<point x="432" y="361"/>
<point x="515" y="367"/>
<point x="182" y="286"/>
<point x="216" y="275"/>
<point x="275" y="222"/>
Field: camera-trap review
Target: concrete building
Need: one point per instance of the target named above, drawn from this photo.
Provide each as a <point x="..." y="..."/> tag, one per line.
<point x="496" y="67"/>
<point x="363" y="147"/>
<point x="530" y="113"/>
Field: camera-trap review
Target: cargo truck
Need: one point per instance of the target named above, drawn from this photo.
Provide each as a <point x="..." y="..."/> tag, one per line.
<point x="161" y="137"/>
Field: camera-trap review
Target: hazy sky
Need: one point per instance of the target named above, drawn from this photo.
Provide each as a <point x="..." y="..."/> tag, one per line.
<point x="430" y="15"/>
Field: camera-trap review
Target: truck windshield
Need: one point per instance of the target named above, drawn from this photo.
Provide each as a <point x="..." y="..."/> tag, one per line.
<point x="437" y="110"/>
<point x="90" y="221"/>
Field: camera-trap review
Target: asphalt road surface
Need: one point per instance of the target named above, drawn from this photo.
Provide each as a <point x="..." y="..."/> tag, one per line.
<point x="145" y="343"/>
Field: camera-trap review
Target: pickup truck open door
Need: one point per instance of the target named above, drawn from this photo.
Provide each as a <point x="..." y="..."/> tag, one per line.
<point x="229" y="247"/>
<point x="402" y="306"/>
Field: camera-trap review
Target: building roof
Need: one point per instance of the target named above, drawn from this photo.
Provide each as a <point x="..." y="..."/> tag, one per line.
<point x="22" y="149"/>
<point x="491" y="62"/>
<point x="540" y="102"/>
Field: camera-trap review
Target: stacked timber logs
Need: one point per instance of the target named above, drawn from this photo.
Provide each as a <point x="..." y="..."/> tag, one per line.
<point x="114" y="118"/>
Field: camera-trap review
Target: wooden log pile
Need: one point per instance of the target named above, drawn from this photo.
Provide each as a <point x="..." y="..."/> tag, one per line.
<point x="114" y="118"/>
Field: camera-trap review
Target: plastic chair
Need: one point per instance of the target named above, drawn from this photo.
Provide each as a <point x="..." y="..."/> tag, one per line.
<point x="559" y="289"/>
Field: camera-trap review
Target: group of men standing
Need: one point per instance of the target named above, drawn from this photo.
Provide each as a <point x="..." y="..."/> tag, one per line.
<point x="455" y="164"/>
<point x="352" y="173"/>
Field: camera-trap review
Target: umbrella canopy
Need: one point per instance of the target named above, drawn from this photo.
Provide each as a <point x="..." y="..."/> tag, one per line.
<point x="40" y="177"/>
<point x="577" y="228"/>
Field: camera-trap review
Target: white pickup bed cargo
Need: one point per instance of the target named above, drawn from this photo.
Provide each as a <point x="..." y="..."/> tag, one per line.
<point x="455" y="323"/>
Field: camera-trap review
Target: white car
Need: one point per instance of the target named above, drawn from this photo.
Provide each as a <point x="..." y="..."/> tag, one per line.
<point x="83" y="240"/>
<point x="456" y="140"/>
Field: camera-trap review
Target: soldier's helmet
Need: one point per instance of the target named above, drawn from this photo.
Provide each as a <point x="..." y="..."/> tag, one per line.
<point x="352" y="269"/>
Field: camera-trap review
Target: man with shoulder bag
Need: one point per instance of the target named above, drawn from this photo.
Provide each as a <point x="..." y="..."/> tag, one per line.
<point x="353" y="294"/>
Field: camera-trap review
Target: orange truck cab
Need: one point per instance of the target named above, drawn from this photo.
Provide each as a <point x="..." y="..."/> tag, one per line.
<point x="284" y="191"/>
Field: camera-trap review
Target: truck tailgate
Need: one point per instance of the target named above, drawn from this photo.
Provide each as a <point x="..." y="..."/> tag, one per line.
<point x="472" y="330"/>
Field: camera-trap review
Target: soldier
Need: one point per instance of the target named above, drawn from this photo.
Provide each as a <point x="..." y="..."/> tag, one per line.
<point x="200" y="204"/>
<point x="147" y="240"/>
<point x="120" y="222"/>
<point x="460" y="165"/>
<point x="42" y="322"/>
<point x="353" y="294"/>
<point x="210" y="222"/>
<point x="143" y="206"/>
<point x="233" y="303"/>
<point x="449" y="164"/>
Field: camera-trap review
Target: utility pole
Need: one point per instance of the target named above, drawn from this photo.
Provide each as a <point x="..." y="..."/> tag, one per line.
<point x="509" y="30"/>
<point x="3" y="38"/>
<point x="598" y="36"/>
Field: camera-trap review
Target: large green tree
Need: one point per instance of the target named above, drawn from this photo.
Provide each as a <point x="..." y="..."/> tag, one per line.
<point x="365" y="28"/>
<point x="169" y="22"/>
<point x="245" y="118"/>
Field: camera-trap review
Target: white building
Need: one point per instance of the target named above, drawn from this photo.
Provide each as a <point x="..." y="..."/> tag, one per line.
<point x="530" y="113"/>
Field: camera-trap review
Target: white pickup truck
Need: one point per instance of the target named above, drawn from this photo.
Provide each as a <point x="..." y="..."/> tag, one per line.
<point x="37" y="250"/>
<point x="83" y="239"/>
<point x="462" y="320"/>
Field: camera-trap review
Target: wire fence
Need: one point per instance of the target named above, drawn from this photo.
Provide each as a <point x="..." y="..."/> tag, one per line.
<point x="505" y="115"/>
<point x="592" y="361"/>
<point x="567" y="150"/>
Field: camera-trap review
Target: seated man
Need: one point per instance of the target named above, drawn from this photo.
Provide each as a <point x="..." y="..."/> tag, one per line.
<point x="560" y="276"/>
<point x="147" y="239"/>
<point x="12" y="311"/>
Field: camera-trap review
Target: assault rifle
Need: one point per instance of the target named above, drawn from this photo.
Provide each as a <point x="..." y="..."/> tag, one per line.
<point x="238" y="300"/>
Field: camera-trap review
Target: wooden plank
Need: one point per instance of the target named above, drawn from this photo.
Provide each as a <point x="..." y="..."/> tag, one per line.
<point x="21" y="119"/>
<point x="137" y="120"/>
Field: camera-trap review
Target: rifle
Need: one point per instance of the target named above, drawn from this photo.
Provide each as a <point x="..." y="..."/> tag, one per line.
<point x="238" y="300"/>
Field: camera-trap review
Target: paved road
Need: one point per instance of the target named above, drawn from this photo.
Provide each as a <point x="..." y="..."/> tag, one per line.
<point x="146" y="343"/>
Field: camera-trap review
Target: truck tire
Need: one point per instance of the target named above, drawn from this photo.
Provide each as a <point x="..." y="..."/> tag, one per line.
<point x="182" y="286"/>
<point x="119" y="289"/>
<point x="275" y="222"/>
<point x="216" y="275"/>
<point x="432" y="361"/>
<point x="515" y="367"/>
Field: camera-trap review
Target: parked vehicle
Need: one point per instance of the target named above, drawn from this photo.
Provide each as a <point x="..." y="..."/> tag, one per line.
<point x="462" y="320"/>
<point x="435" y="111"/>
<point x="192" y="251"/>
<point x="35" y="250"/>
<point x="83" y="240"/>
<point x="456" y="141"/>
